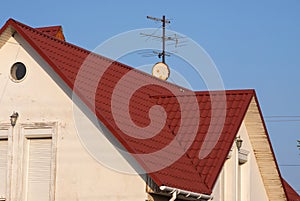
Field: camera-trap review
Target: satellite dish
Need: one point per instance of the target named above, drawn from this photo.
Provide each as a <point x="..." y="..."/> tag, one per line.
<point x="161" y="71"/>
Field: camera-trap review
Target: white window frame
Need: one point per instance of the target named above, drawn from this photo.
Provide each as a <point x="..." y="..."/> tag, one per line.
<point x="31" y="131"/>
<point x="6" y="133"/>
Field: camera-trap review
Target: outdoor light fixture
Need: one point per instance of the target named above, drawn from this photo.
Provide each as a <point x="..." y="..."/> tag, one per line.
<point x="238" y="142"/>
<point x="13" y="118"/>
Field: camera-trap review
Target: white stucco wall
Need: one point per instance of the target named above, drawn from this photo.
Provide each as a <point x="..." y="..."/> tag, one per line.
<point x="250" y="187"/>
<point x="38" y="99"/>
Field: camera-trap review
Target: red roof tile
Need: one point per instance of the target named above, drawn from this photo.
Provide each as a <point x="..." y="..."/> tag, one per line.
<point x="80" y="70"/>
<point x="207" y="169"/>
<point x="55" y="31"/>
<point x="292" y="195"/>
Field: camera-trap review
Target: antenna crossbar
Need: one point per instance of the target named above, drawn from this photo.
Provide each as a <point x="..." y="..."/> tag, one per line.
<point x="154" y="36"/>
<point x="158" y="19"/>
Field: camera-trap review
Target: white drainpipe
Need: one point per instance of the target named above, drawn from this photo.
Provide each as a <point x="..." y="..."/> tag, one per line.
<point x="176" y="191"/>
<point x="174" y="195"/>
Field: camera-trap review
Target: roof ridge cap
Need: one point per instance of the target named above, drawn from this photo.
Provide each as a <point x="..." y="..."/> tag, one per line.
<point x="207" y="93"/>
<point x="52" y="26"/>
<point x="228" y="91"/>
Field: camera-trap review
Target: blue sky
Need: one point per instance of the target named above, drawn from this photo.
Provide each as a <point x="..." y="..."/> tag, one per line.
<point x="254" y="44"/>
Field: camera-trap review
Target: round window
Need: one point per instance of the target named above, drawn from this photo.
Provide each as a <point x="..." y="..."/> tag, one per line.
<point x="18" y="71"/>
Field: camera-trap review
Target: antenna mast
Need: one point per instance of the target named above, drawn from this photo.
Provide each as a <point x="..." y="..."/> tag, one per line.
<point x="164" y="21"/>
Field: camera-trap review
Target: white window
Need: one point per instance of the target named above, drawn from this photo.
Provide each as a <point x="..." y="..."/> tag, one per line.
<point x="4" y="161"/>
<point x="3" y="167"/>
<point x="28" y="161"/>
<point x="38" y="161"/>
<point x="37" y="174"/>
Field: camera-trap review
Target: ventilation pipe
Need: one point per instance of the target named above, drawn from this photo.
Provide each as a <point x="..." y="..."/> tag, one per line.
<point x="188" y="194"/>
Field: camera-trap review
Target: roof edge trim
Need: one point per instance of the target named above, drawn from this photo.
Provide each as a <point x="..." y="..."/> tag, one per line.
<point x="176" y="191"/>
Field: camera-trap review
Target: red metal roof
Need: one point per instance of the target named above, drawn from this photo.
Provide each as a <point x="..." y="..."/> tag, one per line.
<point x="197" y="172"/>
<point x="80" y="70"/>
<point x="55" y="31"/>
<point x="292" y="195"/>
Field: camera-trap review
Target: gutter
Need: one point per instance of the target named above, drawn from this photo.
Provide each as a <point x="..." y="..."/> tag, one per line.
<point x="188" y="194"/>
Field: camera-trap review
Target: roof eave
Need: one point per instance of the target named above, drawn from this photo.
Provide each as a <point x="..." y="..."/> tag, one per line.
<point x="264" y="152"/>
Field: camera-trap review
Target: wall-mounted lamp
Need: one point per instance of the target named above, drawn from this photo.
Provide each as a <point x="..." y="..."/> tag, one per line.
<point x="13" y="118"/>
<point x="238" y="142"/>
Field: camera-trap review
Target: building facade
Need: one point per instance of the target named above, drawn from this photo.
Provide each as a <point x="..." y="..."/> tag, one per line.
<point x="45" y="154"/>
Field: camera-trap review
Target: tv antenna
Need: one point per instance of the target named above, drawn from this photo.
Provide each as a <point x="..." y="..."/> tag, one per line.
<point x="164" y="22"/>
<point x="175" y="38"/>
<point x="161" y="69"/>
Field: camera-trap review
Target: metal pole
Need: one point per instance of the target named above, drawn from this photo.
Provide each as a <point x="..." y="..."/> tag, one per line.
<point x="164" y="33"/>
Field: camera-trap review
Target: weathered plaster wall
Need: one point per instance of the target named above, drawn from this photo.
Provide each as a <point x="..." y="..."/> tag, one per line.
<point x="39" y="98"/>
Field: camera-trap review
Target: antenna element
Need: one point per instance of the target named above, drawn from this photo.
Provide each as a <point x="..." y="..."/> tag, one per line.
<point x="164" y="21"/>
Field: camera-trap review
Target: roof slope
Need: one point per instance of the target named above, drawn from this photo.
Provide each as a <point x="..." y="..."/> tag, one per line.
<point x="55" y="31"/>
<point x="292" y="195"/>
<point x="80" y="70"/>
<point x="205" y="170"/>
